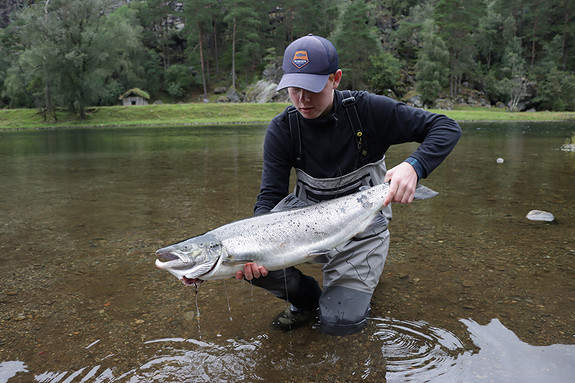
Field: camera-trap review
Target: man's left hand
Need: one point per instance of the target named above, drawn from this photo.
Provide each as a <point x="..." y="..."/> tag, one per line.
<point x="402" y="183"/>
<point x="251" y="271"/>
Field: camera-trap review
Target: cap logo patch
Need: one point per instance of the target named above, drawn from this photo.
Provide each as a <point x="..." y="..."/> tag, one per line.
<point x="300" y="59"/>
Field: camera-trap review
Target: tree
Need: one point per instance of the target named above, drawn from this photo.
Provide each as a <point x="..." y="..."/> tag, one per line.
<point x="244" y="20"/>
<point x="456" y="20"/>
<point x="488" y="38"/>
<point x="5" y="56"/>
<point x="202" y="21"/>
<point x="407" y="38"/>
<point x="161" y="20"/>
<point x="355" y="41"/>
<point x="432" y="65"/>
<point x="178" y="80"/>
<point x="513" y="84"/>
<point x="555" y="88"/>
<point x="297" y="21"/>
<point x="71" y="48"/>
<point x="385" y="73"/>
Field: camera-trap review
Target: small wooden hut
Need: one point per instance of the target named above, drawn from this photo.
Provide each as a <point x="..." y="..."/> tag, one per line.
<point x="135" y="96"/>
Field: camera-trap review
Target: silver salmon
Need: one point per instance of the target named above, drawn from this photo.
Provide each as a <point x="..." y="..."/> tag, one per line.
<point x="275" y="240"/>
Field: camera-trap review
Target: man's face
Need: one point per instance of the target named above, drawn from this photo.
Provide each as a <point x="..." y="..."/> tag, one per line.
<point x="313" y="105"/>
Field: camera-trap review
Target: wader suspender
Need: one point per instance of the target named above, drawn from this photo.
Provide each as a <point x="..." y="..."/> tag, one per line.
<point x="295" y="135"/>
<point x="348" y="103"/>
<point x="353" y="117"/>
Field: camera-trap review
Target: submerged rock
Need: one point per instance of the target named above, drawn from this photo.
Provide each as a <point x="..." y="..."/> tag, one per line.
<point x="540" y="215"/>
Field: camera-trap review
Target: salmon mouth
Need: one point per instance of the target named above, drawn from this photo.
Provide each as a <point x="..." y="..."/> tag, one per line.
<point x="198" y="280"/>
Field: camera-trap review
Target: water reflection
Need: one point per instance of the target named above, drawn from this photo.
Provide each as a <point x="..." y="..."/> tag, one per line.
<point x="503" y="357"/>
<point x="419" y="352"/>
<point x="82" y="211"/>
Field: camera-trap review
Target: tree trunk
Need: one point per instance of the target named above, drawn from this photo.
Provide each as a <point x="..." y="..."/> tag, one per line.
<point x="565" y="36"/>
<point x="234" y="55"/>
<point x="49" y="106"/>
<point x="533" y="42"/>
<point x="216" y="46"/>
<point x="202" y="62"/>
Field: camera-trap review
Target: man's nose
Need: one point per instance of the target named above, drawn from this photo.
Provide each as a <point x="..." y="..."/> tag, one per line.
<point x="304" y="96"/>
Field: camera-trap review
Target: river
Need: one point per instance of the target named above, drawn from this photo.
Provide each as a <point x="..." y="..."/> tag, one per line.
<point x="472" y="290"/>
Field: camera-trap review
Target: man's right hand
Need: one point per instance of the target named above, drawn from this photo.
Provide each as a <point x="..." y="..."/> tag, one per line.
<point x="251" y="271"/>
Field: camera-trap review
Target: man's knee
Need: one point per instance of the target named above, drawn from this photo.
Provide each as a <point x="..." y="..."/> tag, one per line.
<point x="343" y="311"/>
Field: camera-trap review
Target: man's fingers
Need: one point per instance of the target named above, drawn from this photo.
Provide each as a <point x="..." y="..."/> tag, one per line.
<point x="248" y="272"/>
<point x="251" y="271"/>
<point x="263" y="271"/>
<point x="390" y="193"/>
<point x="255" y="270"/>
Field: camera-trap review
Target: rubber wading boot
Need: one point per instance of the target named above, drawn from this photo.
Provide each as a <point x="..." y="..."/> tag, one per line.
<point x="289" y="320"/>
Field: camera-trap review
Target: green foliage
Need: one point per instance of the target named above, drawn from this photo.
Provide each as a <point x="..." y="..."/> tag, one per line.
<point x="73" y="53"/>
<point x="456" y="20"/>
<point x="179" y="81"/>
<point x="385" y="73"/>
<point x="432" y="65"/>
<point x="70" y="49"/>
<point x="556" y="89"/>
<point x="407" y="37"/>
<point x="356" y="26"/>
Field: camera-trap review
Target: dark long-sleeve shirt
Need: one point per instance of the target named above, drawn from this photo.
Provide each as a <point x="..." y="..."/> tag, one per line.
<point x="329" y="145"/>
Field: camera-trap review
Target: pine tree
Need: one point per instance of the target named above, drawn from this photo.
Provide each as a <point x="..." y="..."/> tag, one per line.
<point x="355" y="42"/>
<point x="456" y="20"/>
<point x="432" y="65"/>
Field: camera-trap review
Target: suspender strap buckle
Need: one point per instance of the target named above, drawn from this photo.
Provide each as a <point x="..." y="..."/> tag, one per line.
<point x="348" y="101"/>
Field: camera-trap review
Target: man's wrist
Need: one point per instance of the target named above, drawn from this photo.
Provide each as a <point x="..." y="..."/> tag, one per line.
<point x="416" y="166"/>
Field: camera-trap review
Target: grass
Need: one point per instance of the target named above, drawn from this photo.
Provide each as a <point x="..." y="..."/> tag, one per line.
<point x="212" y="113"/>
<point x="469" y="113"/>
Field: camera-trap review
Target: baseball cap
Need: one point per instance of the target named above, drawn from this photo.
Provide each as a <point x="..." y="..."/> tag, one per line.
<point x="307" y="63"/>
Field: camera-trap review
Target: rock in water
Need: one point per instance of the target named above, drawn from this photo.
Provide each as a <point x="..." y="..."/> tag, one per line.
<point x="540" y="215"/>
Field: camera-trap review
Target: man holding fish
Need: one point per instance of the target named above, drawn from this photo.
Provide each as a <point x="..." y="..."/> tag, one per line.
<point x="336" y="141"/>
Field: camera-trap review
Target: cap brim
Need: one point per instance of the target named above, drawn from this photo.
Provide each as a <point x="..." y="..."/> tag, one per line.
<point x="310" y="82"/>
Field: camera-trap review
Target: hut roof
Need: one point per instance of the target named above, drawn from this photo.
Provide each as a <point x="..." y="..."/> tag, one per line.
<point x="137" y="91"/>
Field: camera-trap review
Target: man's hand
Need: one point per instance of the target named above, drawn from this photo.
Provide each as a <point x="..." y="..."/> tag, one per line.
<point x="402" y="183"/>
<point x="251" y="271"/>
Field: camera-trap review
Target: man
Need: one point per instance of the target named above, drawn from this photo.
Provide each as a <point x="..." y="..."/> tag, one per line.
<point x="336" y="141"/>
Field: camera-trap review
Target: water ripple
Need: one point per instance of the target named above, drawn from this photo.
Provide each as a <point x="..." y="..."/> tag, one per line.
<point x="417" y="351"/>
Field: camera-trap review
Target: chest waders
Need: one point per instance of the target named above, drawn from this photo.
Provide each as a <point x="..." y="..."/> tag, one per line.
<point x="351" y="271"/>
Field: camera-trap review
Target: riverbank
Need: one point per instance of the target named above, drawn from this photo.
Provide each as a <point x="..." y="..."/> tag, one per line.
<point x="205" y="114"/>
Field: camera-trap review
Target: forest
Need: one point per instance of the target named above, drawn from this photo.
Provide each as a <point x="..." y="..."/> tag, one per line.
<point x="76" y="54"/>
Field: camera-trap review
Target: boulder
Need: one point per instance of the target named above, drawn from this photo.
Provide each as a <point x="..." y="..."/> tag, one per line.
<point x="415" y="101"/>
<point x="442" y="103"/>
<point x="222" y="99"/>
<point x="261" y="92"/>
<point x="233" y="96"/>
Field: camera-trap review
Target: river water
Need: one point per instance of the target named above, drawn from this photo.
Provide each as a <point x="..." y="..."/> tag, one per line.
<point x="472" y="290"/>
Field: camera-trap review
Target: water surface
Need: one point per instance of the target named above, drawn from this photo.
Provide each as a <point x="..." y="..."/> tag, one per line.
<point x="472" y="290"/>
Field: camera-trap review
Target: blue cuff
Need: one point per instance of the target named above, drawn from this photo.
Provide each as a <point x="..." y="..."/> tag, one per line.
<point x="416" y="165"/>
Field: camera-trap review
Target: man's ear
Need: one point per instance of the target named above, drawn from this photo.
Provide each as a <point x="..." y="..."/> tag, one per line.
<point x="336" y="78"/>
